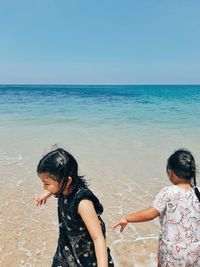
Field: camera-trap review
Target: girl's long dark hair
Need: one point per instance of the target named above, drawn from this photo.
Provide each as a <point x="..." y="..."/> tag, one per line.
<point x="182" y="163"/>
<point x="60" y="165"/>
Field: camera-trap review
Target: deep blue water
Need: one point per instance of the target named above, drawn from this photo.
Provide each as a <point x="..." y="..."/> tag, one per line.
<point x="159" y="105"/>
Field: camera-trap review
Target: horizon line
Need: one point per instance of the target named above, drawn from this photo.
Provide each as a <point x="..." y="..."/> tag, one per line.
<point x="98" y="84"/>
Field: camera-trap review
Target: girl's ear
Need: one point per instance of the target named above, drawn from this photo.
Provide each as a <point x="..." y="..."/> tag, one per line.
<point x="170" y="173"/>
<point x="69" y="180"/>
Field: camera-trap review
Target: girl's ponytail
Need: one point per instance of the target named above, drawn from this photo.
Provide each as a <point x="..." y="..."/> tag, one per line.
<point x="196" y="190"/>
<point x="191" y="163"/>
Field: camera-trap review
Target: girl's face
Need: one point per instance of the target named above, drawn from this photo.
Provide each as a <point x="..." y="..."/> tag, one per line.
<point x="49" y="184"/>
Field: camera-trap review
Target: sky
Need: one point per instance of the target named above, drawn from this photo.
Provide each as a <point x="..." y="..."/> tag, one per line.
<point x="100" y="42"/>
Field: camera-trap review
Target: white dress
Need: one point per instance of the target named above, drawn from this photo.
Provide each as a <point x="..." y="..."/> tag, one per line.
<point x="179" y="241"/>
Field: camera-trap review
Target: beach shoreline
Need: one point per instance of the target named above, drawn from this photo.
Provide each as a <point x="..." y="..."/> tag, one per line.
<point x="121" y="140"/>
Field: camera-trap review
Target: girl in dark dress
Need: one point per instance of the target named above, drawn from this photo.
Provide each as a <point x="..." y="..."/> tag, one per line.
<point x="81" y="241"/>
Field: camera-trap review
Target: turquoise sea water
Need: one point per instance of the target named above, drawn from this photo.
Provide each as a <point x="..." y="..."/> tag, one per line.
<point x="165" y="106"/>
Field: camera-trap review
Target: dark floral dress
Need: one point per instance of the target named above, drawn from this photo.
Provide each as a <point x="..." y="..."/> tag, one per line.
<point x="75" y="246"/>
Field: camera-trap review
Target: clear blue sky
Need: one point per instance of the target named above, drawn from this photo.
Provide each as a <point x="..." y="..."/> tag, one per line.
<point x="100" y="42"/>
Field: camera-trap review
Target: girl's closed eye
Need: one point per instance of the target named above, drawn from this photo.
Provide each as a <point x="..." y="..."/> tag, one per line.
<point x="45" y="182"/>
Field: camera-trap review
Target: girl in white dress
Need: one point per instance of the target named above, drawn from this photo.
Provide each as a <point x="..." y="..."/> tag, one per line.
<point x="178" y="208"/>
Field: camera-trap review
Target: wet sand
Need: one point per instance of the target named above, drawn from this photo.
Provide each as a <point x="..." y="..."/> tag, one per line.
<point x="125" y="175"/>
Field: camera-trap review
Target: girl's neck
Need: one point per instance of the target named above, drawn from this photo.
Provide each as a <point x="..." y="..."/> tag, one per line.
<point x="185" y="185"/>
<point x="67" y="191"/>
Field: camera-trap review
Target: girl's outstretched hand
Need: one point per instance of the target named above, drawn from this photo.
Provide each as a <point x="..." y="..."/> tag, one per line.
<point x="41" y="200"/>
<point x="122" y="223"/>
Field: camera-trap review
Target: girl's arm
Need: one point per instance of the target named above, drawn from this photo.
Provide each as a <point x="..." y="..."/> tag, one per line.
<point x="139" y="216"/>
<point x="88" y="214"/>
<point x="43" y="198"/>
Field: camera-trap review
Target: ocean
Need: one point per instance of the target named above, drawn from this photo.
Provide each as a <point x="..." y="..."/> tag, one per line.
<point x="121" y="136"/>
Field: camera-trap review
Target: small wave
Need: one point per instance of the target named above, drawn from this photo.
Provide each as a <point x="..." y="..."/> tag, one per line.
<point x="5" y="158"/>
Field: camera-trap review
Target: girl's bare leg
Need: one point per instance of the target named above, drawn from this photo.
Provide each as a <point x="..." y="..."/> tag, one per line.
<point x="159" y="264"/>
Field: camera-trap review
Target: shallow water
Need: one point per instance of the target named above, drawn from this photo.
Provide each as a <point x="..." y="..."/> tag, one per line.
<point x="121" y="138"/>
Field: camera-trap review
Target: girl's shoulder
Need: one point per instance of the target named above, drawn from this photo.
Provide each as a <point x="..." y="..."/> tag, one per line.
<point x="168" y="189"/>
<point x="174" y="190"/>
<point x="84" y="194"/>
<point x="177" y="189"/>
<point x="167" y="192"/>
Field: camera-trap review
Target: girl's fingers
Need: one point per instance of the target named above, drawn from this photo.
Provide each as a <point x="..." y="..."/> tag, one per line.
<point x="122" y="223"/>
<point x="39" y="201"/>
<point x="36" y="201"/>
<point x="122" y="228"/>
<point x="115" y="225"/>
